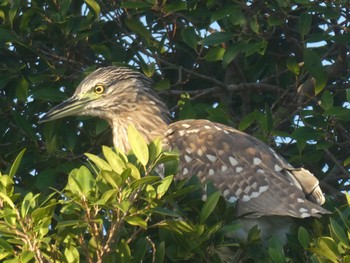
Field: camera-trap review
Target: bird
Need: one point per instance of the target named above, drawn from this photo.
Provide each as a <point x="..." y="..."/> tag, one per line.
<point x="267" y="190"/>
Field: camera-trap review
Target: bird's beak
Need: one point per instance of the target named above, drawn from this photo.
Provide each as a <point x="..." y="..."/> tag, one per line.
<point x="72" y="106"/>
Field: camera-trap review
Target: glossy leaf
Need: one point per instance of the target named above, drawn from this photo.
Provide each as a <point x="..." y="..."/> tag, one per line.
<point x="94" y="6"/>
<point x="136" y="221"/>
<point x="164" y="185"/>
<point x="115" y="162"/>
<point x="102" y="164"/>
<point x="138" y="145"/>
<point x="209" y="206"/>
<point x="16" y="163"/>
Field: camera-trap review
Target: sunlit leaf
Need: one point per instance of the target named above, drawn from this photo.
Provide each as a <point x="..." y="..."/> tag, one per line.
<point x="215" y="54"/>
<point x="16" y="163"/>
<point x="102" y="164"/>
<point x="136" y="221"/>
<point x="138" y="145"/>
<point x="164" y="185"/>
<point x="115" y="162"/>
<point x="94" y="6"/>
<point x="7" y="200"/>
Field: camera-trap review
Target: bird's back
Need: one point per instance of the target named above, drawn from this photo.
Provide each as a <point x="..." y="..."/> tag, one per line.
<point x="244" y="169"/>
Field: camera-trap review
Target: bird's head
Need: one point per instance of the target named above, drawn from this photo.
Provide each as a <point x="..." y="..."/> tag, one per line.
<point x="107" y="93"/>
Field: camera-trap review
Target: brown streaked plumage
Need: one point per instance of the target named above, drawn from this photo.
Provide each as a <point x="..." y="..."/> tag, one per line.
<point x="243" y="168"/>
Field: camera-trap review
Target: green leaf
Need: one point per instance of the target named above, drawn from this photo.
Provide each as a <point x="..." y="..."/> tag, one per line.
<point x="85" y="179"/>
<point x="155" y="149"/>
<point x="254" y="25"/>
<point x="7" y="36"/>
<point x="338" y="112"/>
<point x="136" y="221"/>
<point x="81" y="181"/>
<point x="256" y="47"/>
<point x="164" y="185"/>
<point x="144" y="180"/>
<point x="148" y="69"/>
<point x="42" y="212"/>
<point x="327" y="100"/>
<point x="6" y="245"/>
<point x="326" y="248"/>
<point x="13" y="10"/>
<point x="113" y="159"/>
<point x="29" y="202"/>
<point x="304" y="24"/>
<point x="339" y="232"/>
<point x="216" y="38"/>
<point x="275" y="21"/>
<point x="135" y="5"/>
<point x="247" y="121"/>
<point x="111" y="179"/>
<point x="223" y="12"/>
<point x="163" y="84"/>
<point x="175" y="6"/>
<point x="215" y="54"/>
<point x="348" y="95"/>
<point x="293" y="66"/>
<point x="160" y="252"/>
<point x="94" y="6"/>
<point x="102" y="164"/>
<point x="26" y="256"/>
<point x="314" y="66"/>
<point x="190" y="37"/>
<point x="138" y="145"/>
<point x="142" y="248"/>
<point x="303" y="237"/>
<point x="22" y="87"/>
<point x="209" y="206"/>
<point x="231" y="52"/>
<point x="71" y="223"/>
<point x="164" y="212"/>
<point x="10" y="216"/>
<point x="123" y="253"/>
<point x="307" y="133"/>
<point x="71" y="254"/>
<point x="139" y="29"/>
<point x="107" y="197"/>
<point x="16" y="163"/>
<point x="135" y="173"/>
<point x="346" y="161"/>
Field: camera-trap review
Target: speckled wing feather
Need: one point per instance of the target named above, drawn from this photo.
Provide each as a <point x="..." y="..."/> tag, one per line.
<point x="245" y="170"/>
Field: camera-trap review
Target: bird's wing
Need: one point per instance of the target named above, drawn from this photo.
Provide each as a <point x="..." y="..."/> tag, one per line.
<point x="243" y="168"/>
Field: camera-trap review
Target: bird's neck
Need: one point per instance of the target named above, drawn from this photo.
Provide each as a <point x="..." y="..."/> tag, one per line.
<point x="150" y="124"/>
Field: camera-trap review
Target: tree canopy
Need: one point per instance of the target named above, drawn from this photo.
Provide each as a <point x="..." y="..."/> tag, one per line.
<point x="277" y="69"/>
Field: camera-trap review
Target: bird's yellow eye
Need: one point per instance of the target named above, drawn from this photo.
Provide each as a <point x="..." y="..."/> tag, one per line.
<point x="99" y="89"/>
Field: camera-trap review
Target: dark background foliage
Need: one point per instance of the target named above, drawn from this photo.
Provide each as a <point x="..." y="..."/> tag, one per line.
<point x="275" y="69"/>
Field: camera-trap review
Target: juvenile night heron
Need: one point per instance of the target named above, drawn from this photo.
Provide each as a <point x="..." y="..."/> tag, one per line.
<point x="244" y="169"/>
